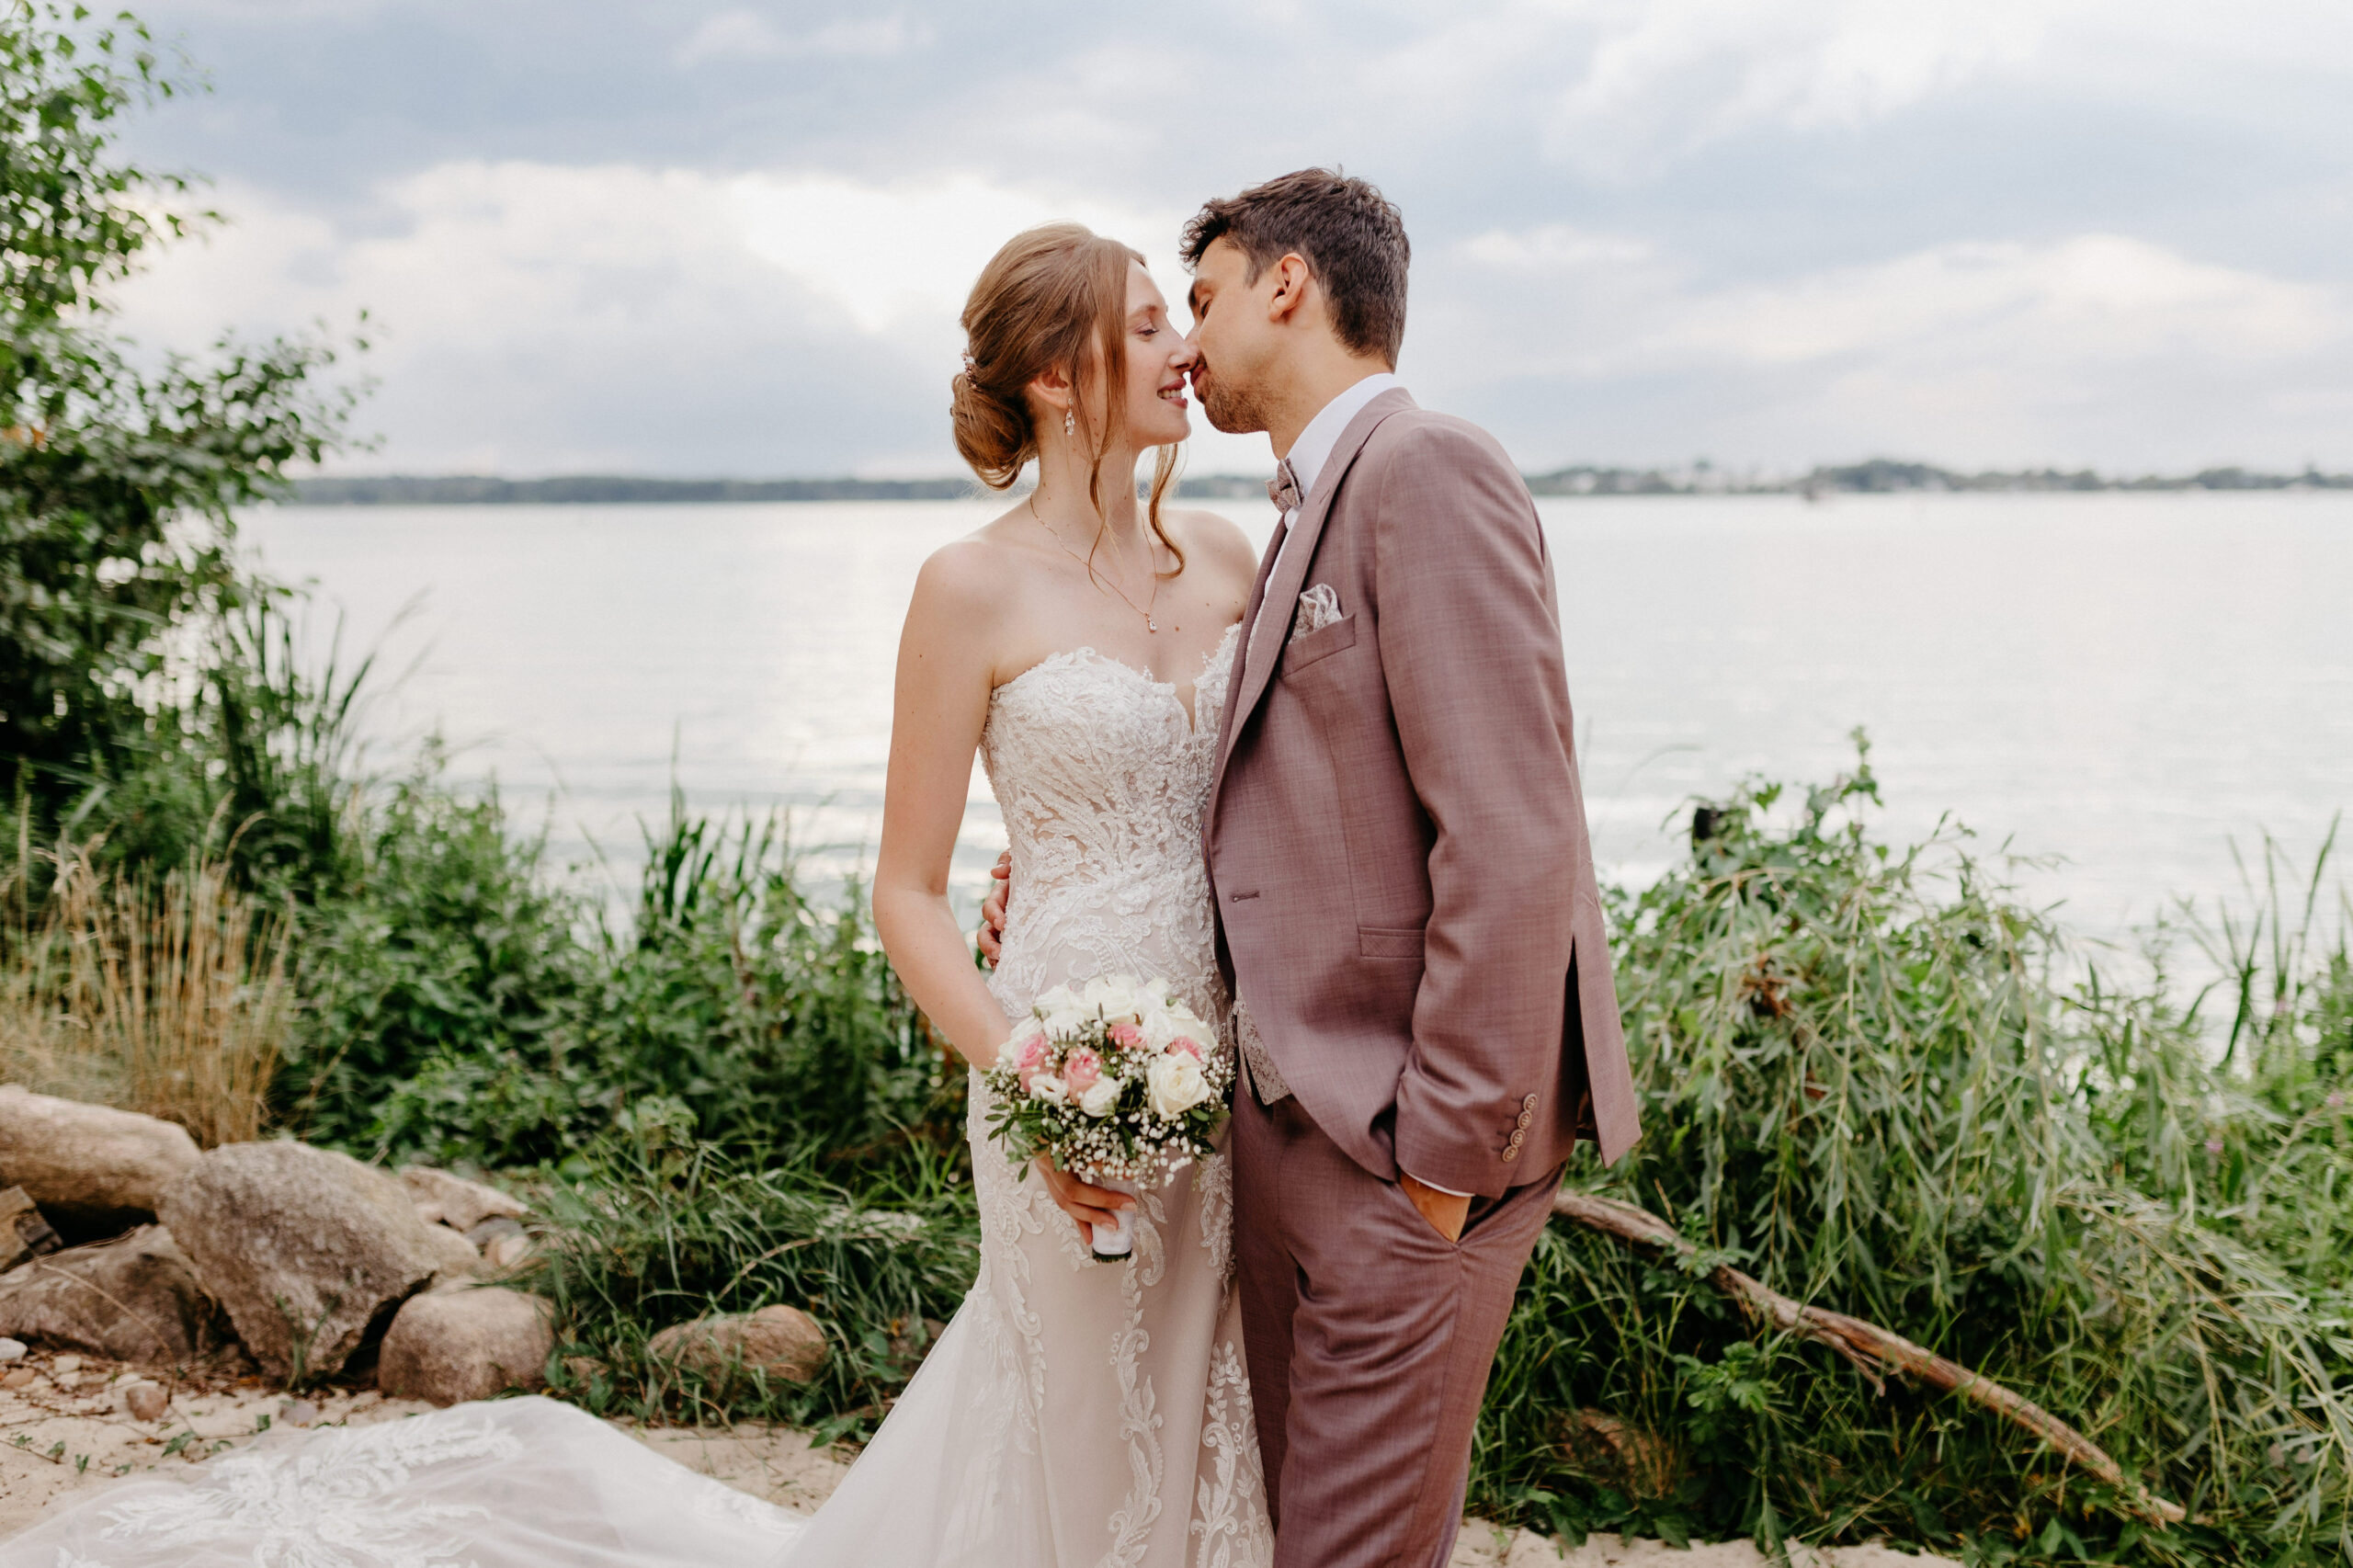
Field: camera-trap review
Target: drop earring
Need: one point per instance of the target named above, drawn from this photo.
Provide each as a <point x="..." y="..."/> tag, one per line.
<point x="1070" y="423"/>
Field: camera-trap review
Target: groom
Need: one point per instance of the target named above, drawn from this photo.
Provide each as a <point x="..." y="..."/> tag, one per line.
<point x="1407" y="915"/>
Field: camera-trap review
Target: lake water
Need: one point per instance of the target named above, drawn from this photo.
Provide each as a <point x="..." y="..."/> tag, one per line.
<point x="2126" y="681"/>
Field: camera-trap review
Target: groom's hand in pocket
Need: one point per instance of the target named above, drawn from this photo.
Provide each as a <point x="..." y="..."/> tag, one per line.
<point x="1446" y="1211"/>
<point x="990" y="938"/>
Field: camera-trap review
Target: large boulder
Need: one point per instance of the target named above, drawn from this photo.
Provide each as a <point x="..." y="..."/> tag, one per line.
<point x="310" y="1251"/>
<point x="94" y="1170"/>
<point x="136" y="1297"/>
<point x="782" y="1342"/>
<point x="454" y="1201"/>
<point x="454" y="1346"/>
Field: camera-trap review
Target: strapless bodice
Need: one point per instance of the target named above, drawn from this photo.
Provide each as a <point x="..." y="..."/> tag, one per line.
<point x="1103" y="780"/>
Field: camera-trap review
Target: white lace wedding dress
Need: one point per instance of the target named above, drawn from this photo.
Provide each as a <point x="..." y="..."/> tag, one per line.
<point x="1075" y="1415"/>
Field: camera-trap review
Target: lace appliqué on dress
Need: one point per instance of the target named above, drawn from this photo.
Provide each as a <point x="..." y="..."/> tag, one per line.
<point x="336" y="1502"/>
<point x="1230" y="1512"/>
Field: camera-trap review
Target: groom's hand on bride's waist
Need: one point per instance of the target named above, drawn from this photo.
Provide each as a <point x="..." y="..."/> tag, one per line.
<point x="1446" y="1211"/>
<point x="990" y="938"/>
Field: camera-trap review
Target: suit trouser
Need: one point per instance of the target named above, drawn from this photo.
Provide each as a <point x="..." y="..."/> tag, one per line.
<point x="1369" y="1338"/>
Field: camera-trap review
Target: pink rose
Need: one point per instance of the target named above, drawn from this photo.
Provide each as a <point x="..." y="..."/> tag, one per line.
<point x="1081" y="1070"/>
<point x="1127" y="1037"/>
<point x="1033" y="1057"/>
<point x="1191" y="1048"/>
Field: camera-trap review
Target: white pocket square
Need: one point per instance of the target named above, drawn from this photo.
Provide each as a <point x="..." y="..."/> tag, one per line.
<point x="1318" y="607"/>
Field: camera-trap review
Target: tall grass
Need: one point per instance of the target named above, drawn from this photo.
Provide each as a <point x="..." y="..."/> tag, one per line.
<point x="476" y="1017"/>
<point x="168" y="995"/>
<point x="1867" y="1081"/>
<point x="655" y="1228"/>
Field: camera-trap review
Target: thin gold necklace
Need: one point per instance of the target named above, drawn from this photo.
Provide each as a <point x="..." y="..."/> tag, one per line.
<point x="1151" y="602"/>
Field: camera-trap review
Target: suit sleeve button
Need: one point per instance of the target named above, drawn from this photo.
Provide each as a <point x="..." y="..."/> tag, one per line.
<point x="1525" y="1117"/>
<point x="1511" y="1154"/>
<point x="1529" y="1103"/>
<point x="1519" y="1136"/>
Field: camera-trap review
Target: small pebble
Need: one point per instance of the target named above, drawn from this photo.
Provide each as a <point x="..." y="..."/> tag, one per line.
<point x="22" y="1377"/>
<point x="66" y="1364"/>
<point x="12" y="1349"/>
<point x="145" y="1402"/>
<point x="299" y="1412"/>
<point x="490" y="1230"/>
<point x="508" y="1251"/>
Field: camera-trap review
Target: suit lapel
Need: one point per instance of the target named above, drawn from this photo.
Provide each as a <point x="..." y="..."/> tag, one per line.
<point x="1285" y="574"/>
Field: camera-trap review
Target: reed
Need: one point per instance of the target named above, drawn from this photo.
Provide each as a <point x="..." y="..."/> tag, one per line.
<point x="167" y="997"/>
<point x="651" y="1227"/>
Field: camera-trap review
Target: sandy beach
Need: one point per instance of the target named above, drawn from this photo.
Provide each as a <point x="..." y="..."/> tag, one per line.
<point x="65" y="1432"/>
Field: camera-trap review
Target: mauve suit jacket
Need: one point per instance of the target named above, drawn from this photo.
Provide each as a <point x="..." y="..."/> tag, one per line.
<point x="1397" y="838"/>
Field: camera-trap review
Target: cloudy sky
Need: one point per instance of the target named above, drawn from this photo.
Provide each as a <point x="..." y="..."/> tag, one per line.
<point x="695" y="237"/>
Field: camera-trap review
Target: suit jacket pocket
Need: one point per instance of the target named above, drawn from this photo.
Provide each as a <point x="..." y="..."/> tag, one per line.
<point x="1390" y="942"/>
<point x="1321" y="643"/>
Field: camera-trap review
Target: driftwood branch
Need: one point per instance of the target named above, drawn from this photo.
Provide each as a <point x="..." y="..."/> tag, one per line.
<point x="1872" y="1349"/>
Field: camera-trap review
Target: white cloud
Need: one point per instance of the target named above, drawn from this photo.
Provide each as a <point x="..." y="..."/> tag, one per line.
<point x="2092" y="298"/>
<point x="1553" y="247"/>
<point x="909" y="252"/>
<point x="742" y="34"/>
<point x="2094" y="347"/>
<point x="1666" y="77"/>
<point x="532" y="317"/>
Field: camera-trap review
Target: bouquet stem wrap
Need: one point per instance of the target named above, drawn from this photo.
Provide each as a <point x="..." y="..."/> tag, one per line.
<point x="1118" y="1239"/>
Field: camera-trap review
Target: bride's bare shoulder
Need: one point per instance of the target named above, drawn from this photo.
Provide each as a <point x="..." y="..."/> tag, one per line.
<point x="971" y="575"/>
<point x="1215" y="537"/>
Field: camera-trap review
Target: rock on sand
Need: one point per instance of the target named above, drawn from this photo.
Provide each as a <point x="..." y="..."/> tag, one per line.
<point x="309" y="1250"/>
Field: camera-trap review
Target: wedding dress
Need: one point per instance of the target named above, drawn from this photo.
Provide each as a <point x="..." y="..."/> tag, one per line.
<point x="1076" y="1414"/>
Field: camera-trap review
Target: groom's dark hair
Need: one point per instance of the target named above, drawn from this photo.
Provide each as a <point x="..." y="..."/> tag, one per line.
<point x="1352" y="238"/>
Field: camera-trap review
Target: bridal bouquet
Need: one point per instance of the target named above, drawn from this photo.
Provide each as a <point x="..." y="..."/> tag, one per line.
<point x="1117" y="1082"/>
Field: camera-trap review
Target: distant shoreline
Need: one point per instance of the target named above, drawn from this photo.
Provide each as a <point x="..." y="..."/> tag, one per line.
<point x="1879" y="476"/>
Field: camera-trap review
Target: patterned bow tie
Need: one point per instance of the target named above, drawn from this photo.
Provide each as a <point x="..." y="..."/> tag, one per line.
<point x="1283" y="489"/>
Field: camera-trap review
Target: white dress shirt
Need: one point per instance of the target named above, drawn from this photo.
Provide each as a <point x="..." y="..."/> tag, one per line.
<point x="1313" y="447"/>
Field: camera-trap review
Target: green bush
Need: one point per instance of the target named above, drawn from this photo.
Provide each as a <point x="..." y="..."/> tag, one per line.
<point x="462" y="1008"/>
<point x="652" y="1228"/>
<point x="1867" y="1082"/>
<point x="439" y="979"/>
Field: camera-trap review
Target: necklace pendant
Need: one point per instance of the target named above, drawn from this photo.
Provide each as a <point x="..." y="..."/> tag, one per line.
<point x="1150" y="624"/>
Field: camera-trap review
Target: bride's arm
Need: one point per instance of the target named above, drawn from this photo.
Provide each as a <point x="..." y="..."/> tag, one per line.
<point x="946" y="672"/>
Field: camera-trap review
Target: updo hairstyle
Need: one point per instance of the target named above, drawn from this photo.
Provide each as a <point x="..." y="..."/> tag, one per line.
<point x="1054" y="298"/>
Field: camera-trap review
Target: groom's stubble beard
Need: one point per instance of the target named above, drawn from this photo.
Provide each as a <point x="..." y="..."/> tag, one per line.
<point x="1233" y="410"/>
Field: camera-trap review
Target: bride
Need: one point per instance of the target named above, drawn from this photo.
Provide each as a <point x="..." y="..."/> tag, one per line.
<point x="1076" y="1414"/>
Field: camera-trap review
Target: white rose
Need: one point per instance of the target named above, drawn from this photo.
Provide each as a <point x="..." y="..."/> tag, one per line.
<point x="1160" y="1026"/>
<point x="1113" y="995"/>
<point x="1177" y="1084"/>
<point x="1101" y="1097"/>
<point x="1060" y="1014"/>
<point x="1047" y="1088"/>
